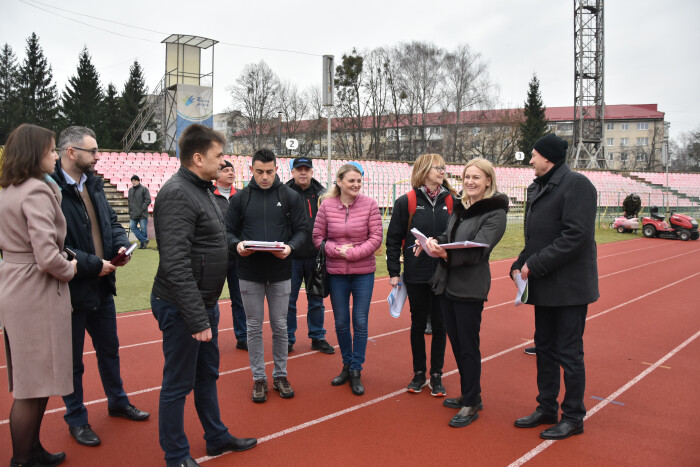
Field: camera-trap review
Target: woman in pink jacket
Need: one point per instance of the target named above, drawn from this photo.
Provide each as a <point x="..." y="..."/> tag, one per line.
<point x="351" y="225"/>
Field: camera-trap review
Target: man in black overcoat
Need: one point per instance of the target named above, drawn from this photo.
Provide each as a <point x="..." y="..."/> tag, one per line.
<point x="560" y="263"/>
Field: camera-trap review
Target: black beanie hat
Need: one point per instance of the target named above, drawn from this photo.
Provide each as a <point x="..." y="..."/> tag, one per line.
<point x="227" y="164"/>
<point x="551" y="147"/>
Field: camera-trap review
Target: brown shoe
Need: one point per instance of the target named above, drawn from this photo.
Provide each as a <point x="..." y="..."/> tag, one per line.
<point x="282" y="385"/>
<point x="260" y="390"/>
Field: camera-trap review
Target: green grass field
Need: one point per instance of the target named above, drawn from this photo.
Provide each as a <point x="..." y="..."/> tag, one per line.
<point x="134" y="280"/>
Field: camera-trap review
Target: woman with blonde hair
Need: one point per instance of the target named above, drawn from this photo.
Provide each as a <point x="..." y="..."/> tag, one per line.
<point x="463" y="278"/>
<point x="426" y="207"/>
<point x="351" y="226"/>
<point x="35" y="307"/>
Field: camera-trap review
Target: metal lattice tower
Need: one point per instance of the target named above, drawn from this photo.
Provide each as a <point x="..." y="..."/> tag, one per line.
<point x="589" y="103"/>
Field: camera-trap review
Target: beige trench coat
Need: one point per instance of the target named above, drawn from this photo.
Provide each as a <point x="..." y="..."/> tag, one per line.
<point x="35" y="309"/>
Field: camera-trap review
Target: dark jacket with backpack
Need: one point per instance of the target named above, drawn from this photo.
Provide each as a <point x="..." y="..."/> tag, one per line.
<point x="86" y="286"/>
<point x="430" y="220"/>
<point x="310" y="198"/>
<point x="272" y="215"/>
<point x="191" y="238"/>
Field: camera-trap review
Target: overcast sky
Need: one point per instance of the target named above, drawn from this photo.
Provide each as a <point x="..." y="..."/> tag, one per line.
<point x="651" y="47"/>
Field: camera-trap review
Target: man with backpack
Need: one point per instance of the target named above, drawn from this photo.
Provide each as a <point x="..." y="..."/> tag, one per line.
<point x="266" y="210"/>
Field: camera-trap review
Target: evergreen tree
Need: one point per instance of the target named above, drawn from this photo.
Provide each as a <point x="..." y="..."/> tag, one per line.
<point x="82" y="98"/>
<point x="111" y="122"/>
<point x="132" y="100"/>
<point x="9" y="101"/>
<point x="38" y="94"/>
<point x="535" y="124"/>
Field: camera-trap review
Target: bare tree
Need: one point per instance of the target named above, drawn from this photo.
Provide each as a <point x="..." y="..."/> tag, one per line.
<point x="376" y="85"/>
<point x="348" y="84"/>
<point x="295" y="108"/>
<point x="255" y="95"/>
<point x="396" y="98"/>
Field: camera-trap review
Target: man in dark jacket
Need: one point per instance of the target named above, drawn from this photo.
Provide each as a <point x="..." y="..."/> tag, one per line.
<point x="191" y="238"/>
<point x="559" y="261"/>
<point x="266" y="210"/>
<point x="139" y="200"/>
<point x="95" y="235"/>
<point x="304" y="259"/>
<point x="223" y="191"/>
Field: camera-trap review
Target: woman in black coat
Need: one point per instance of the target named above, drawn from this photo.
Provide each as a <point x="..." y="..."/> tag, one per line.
<point x="463" y="278"/>
<point x="432" y="194"/>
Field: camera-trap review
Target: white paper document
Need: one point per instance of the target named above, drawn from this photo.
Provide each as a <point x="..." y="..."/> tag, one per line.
<point x="448" y="246"/>
<point x="397" y="298"/>
<point x="521" y="283"/>
<point x="263" y="246"/>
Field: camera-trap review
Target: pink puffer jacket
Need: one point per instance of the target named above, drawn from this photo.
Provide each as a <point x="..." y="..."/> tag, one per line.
<point x="359" y="224"/>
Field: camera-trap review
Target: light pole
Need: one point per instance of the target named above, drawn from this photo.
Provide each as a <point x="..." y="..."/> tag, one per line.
<point x="279" y="133"/>
<point x="667" y="125"/>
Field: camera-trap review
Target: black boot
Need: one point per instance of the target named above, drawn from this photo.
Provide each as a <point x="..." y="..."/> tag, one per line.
<point x="343" y="377"/>
<point x="45" y="458"/>
<point x="355" y="383"/>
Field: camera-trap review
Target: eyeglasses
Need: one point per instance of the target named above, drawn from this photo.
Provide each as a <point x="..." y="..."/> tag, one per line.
<point x="91" y="151"/>
<point x="439" y="169"/>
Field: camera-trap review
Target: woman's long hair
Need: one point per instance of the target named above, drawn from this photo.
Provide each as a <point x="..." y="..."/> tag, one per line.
<point x="486" y="167"/>
<point x="25" y="148"/>
<point x="335" y="190"/>
<point x="422" y="167"/>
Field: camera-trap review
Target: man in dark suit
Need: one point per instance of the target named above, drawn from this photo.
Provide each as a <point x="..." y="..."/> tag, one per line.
<point x="559" y="261"/>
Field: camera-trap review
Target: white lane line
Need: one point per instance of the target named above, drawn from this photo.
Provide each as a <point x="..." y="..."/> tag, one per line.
<point x="545" y="444"/>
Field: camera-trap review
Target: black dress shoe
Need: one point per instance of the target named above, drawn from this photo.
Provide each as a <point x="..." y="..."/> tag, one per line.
<point x="236" y="445"/>
<point x="84" y="435"/>
<point x="562" y="430"/>
<point x="322" y="346"/>
<point x="536" y="418"/>
<point x="356" y="383"/>
<point x="290" y="347"/>
<point x="243" y="345"/>
<point x="130" y="412"/>
<point x="343" y="377"/>
<point x="189" y="462"/>
<point x="464" y="417"/>
<point x="456" y="403"/>
<point x="45" y="458"/>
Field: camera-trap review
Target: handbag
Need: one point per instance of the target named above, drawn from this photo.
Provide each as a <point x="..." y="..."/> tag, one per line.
<point x="318" y="282"/>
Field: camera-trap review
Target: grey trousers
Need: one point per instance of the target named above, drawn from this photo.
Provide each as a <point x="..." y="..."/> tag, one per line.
<point x="253" y="295"/>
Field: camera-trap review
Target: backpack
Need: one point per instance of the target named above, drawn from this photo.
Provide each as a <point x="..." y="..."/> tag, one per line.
<point x="412" y="206"/>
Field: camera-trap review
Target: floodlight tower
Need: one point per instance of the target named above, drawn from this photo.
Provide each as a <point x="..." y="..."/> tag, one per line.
<point x="589" y="103"/>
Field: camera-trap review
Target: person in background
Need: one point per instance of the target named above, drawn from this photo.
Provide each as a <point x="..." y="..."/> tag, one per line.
<point x="223" y="191"/>
<point x="96" y="236"/>
<point x="191" y="237"/>
<point x="139" y="200"/>
<point x="559" y="261"/>
<point x="463" y="278"/>
<point x="351" y="225"/>
<point x="35" y="309"/>
<point x="266" y="210"/>
<point x="433" y="205"/>
<point x="304" y="259"/>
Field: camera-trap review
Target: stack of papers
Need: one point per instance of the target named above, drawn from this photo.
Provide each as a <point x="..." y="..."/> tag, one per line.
<point x="397" y="298"/>
<point x="422" y="239"/>
<point x="263" y="246"/>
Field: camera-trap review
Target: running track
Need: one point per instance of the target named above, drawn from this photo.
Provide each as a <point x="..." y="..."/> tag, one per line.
<point x="642" y="345"/>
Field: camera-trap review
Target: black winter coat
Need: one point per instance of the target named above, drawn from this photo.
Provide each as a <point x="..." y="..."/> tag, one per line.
<point x="310" y="199"/>
<point x="87" y="286"/>
<point x="466" y="274"/>
<point x="430" y="220"/>
<point x="139" y="200"/>
<point x="191" y="238"/>
<point x="560" y="248"/>
<point x="263" y="219"/>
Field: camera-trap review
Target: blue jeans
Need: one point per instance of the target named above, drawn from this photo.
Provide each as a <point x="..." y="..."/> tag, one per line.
<point x="301" y="270"/>
<point x="189" y="364"/>
<point x="101" y="324"/>
<point x="360" y="286"/>
<point x="140" y="228"/>
<point x="240" y="330"/>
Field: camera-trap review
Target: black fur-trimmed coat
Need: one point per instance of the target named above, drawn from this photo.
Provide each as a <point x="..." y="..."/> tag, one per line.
<point x="466" y="275"/>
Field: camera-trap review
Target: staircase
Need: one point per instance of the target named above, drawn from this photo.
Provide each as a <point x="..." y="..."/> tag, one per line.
<point x="673" y="191"/>
<point x="118" y="203"/>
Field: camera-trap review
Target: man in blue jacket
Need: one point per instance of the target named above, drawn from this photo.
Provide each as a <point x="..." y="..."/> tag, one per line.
<point x="95" y="235"/>
<point x="560" y="263"/>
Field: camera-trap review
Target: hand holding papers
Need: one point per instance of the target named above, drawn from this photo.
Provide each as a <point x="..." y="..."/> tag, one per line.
<point x="263" y="246"/>
<point x="521" y="284"/>
<point x="397" y="298"/>
<point x="422" y="239"/>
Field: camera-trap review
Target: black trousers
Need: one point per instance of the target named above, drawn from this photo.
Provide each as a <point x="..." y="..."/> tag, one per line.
<point x="424" y="303"/>
<point x="559" y="342"/>
<point x="463" y="323"/>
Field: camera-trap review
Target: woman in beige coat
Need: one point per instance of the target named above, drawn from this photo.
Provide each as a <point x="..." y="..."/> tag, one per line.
<point x="35" y="308"/>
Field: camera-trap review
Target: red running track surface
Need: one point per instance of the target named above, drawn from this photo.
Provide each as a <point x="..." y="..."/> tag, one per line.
<point x="642" y="345"/>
